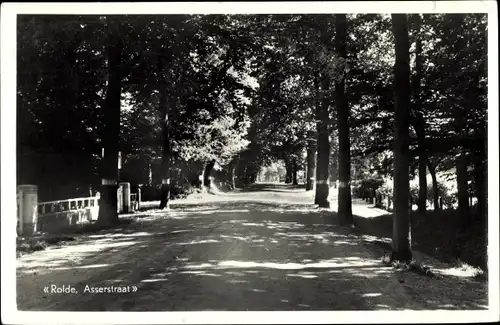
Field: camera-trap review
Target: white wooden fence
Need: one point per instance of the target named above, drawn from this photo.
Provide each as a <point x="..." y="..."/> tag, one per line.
<point x="67" y="205"/>
<point x="54" y="215"/>
<point x="51" y="216"/>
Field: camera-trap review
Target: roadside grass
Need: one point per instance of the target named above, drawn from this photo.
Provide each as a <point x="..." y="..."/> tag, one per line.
<point x="437" y="234"/>
<point x="43" y="240"/>
<point x="27" y="245"/>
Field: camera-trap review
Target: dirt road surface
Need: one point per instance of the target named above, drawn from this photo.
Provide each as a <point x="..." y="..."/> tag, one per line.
<point x="262" y="249"/>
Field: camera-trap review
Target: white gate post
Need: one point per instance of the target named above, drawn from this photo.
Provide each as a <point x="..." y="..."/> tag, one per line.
<point x="138" y="197"/>
<point x="126" y="197"/>
<point x="27" y="209"/>
<point x="119" y="198"/>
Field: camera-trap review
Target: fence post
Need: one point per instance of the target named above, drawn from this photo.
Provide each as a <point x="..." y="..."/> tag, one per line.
<point x="119" y="198"/>
<point x="28" y="209"/>
<point x="125" y="186"/>
<point x="138" y="198"/>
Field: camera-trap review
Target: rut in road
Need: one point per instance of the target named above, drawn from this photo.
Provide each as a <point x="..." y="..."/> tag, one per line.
<point x="266" y="248"/>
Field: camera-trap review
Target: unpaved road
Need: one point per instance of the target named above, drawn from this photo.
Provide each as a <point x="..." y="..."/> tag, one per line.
<point x="263" y="249"/>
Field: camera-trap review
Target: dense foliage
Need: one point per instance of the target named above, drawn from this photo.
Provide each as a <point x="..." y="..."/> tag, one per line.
<point x="233" y="93"/>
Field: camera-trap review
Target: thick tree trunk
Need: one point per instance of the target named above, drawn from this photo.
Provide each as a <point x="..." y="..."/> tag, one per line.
<point x="462" y="188"/>
<point x="323" y="147"/>
<point x="344" y="197"/>
<point x="250" y="173"/>
<point x="401" y="241"/>
<point x="206" y="174"/>
<point x="334" y="167"/>
<point x="233" y="168"/>
<point x="311" y="160"/>
<point x="461" y="166"/>
<point x="422" y="178"/>
<point x="481" y="187"/>
<point x="294" y="172"/>
<point x="243" y="177"/>
<point x="288" y="168"/>
<point x="165" y="164"/>
<point x="420" y="123"/>
<point x="461" y="169"/>
<point x="108" y="214"/>
<point x="462" y="131"/>
<point x="435" y="188"/>
<point x="240" y="170"/>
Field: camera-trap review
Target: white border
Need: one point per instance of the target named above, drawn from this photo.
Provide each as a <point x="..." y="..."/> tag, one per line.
<point x="8" y="170"/>
<point x="309" y="7"/>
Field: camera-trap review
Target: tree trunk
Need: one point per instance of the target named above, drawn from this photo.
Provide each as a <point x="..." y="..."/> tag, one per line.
<point x="344" y="197"/>
<point x="108" y="214"/>
<point x="462" y="188"/>
<point x="233" y="167"/>
<point x="481" y="187"/>
<point x="462" y="131"/>
<point x="420" y="123"/>
<point x="206" y="174"/>
<point x="461" y="168"/>
<point x="435" y="188"/>
<point x="240" y="170"/>
<point x="311" y="160"/>
<point x="422" y="177"/>
<point x="334" y="166"/>
<point x="323" y="149"/>
<point x="250" y="173"/>
<point x="401" y="241"/>
<point x="295" y="169"/>
<point x="165" y="164"/>
<point x="461" y="165"/>
<point x="288" y="168"/>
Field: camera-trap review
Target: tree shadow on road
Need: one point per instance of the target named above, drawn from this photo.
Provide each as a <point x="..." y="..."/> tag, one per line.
<point x="429" y="235"/>
<point x="242" y="255"/>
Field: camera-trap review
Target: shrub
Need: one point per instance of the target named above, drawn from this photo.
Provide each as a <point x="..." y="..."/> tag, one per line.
<point x="372" y="183"/>
<point x="363" y="188"/>
<point x="386" y="188"/>
<point x="449" y="198"/>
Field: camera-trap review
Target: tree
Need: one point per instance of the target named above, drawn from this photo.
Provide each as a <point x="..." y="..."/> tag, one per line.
<point x="418" y="120"/>
<point x="401" y="245"/>
<point x="166" y="152"/>
<point x="311" y="160"/>
<point x="344" y="198"/>
<point x="61" y="76"/>
<point x="108" y="212"/>
<point x="323" y="78"/>
<point x="454" y="98"/>
<point x="323" y="142"/>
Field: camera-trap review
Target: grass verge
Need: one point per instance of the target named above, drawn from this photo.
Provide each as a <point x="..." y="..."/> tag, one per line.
<point x="41" y="241"/>
<point x="438" y="234"/>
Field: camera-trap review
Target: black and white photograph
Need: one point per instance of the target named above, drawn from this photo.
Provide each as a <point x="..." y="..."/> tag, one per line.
<point x="277" y="157"/>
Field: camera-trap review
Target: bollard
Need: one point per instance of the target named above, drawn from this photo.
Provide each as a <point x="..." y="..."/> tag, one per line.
<point x="119" y="199"/>
<point x="125" y="186"/>
<point x="27" y="209"/>
<point x="138" y="197"/>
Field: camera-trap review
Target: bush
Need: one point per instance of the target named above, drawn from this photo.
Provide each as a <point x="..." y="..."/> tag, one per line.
<point x="441" y="233"/>
<point x="365" y="187"/>
<point x="386" y="188"/>
<point x="371" y="183"/>
<point x="448" y="198"/>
